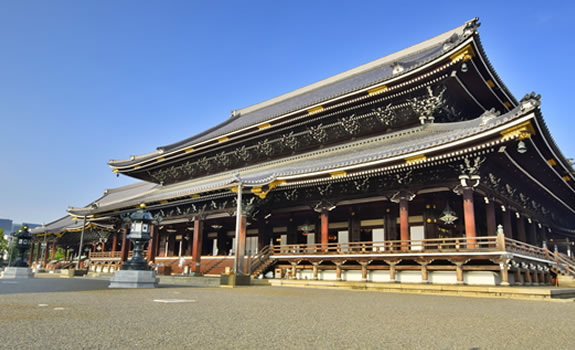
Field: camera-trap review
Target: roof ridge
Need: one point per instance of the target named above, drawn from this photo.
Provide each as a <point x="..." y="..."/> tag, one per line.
<point x="411" y="50"/>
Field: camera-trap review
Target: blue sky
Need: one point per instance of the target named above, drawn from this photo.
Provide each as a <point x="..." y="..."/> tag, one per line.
<point x="82" y="82"/>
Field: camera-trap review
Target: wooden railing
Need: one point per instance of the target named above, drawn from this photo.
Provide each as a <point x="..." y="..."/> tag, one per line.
<point x="112" y="255"/>
<point x="426" y="245"/>
<point x="103" y="255"/>
<point x="563" y="263"/>
<point x="498" y="243"/>
<point x="515" y="246"/>
<point x="258" y="260"/>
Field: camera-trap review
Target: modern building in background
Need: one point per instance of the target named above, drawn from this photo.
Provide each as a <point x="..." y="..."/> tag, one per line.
<point x="6" y="225"/>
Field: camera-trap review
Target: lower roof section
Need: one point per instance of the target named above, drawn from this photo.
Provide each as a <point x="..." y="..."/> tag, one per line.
<point x="402" y="147"/>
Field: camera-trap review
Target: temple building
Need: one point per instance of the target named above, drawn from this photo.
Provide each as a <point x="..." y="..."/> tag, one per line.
<point x="420" y="166"/>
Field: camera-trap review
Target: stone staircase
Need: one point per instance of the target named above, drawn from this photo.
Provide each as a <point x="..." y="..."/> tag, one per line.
<point x="216" y="266"/>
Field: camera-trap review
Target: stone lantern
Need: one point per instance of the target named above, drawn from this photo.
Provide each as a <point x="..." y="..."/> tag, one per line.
<point x="20" y="268"/>
<point x="136" y="273"/>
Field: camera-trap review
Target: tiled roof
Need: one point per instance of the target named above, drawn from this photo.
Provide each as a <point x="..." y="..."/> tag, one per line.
<point x="355" y="154"/>
<point x="355" y="79"/>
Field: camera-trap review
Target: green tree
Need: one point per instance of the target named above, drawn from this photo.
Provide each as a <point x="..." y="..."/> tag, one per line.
<point x="3" y="242"/>
<point x="4" y="245"/>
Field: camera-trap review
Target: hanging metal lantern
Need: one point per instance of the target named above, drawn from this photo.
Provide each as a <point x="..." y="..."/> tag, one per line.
<point x="448" y="216"/>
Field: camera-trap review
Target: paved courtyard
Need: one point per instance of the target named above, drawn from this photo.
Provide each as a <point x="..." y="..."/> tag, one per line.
<point x="84" y="314"/>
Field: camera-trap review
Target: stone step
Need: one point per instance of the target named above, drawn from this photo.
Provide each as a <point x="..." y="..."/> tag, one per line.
<point x="531" y="293"/>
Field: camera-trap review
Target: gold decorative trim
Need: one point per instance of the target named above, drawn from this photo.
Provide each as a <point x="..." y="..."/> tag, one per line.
<point x="464" y="54"/>
<point x="415" y="159"/>
<point x="490" y="83"/>
<point x="264" y="126"/>
<point x="377" y="90"/>
<point x="566" y="178"/>
<point x="115" y="170"/>
<point x="223" y="139"/>
<point x="160" y="159"/>
<point x="188" y="150"/>
<point x="164" y="202"/>
<point x="234" y="189"/>
<point x="315" y="110"/>
<point x="523" y="131"/>
<point x="507" y="104"/>
<point x="338" y="173"/>
<point x="137" y="167"/>
<point x="260" y="192"/>
<point x="196" y="195"/>
<point x="552" y="162"/>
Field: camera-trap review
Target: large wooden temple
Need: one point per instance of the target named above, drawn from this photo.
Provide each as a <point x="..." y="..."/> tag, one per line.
<point x="417" y="167"/>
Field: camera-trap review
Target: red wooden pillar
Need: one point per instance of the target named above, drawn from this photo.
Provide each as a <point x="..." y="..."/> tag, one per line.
<point x="151" y="257"/>
<point x="53" y="251"/>
<point x="469" y="214"/>
<point x="507" y="226"/>
<point x="124" y="249"/>
<point x="404" y="222"/>
<point x="324" y="228"/>
<point x="197" y="246"/>
<point x="45" y="260"/>
<point x="37" y="254"/>
<point x="521" y="229"/>
<point x="114" y="243"/>
<point x="242" y="246"/>
<point x="157" y="243"/>
<point x="31" y="257"/>
<point x="491" y="221"/>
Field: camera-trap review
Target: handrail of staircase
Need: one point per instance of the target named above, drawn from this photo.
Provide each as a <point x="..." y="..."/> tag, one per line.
<point x="563" y="262"/>
<point x="526" y="248"/>
<point x="259" y="258"/>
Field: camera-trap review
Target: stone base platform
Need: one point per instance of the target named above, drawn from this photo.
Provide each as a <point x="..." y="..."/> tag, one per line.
<point x="17" y="273"/>
<point x="134" y="279"/>
<point x="531" y="292"/>
<point x="234" y="280"/>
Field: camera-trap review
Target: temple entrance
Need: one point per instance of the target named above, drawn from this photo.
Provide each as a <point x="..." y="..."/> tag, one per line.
<point x="378" y="238"/>
<point x="416" y="234"/>
<point x="343" y="240"/>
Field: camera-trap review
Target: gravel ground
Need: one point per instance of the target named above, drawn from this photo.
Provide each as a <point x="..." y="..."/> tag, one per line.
<point x="94" y="317"/>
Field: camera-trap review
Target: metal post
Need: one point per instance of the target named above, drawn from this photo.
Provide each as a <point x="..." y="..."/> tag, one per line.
<point x="238" y="225"/>
<point x="81" y="243"/>
<point x="44" y="247"/>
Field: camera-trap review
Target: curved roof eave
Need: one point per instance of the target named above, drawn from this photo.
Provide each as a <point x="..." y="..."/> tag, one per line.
<point x="463" y="32"/>
<point x="355" y="156"/>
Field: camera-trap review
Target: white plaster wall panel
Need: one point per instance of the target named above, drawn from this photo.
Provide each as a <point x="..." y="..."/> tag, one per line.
<point x="445" y="277"/>
<point x="409" y="276"/>
<point x="304" y="274"/>
<point x="327" y="275"/>
<point x="481" y="278"/>
<point x="378" y="276"/>
<point x="351" y="275"/>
